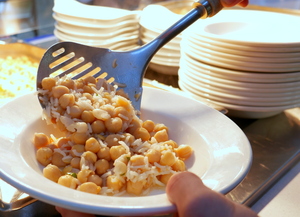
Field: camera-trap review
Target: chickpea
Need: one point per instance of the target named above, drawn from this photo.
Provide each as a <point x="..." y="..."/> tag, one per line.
<point x="69" y="83"/>
<point x="102" y="166"/>
<point x="89" y="79"/>
<point x="63" y="143"/>
<point x="75" y="111"/>
<point x="61" y="126"/>
<point x="67" y="169"/>
<point x="77" y="150"/>
<point x="68" y="181"/>
<point x="89" y="187"/>
<point x="141" y="133"/>
<point x="59" y="90"/>
<point x="96" y="179"/>
<point x="113" y="182"/>
<point x="98" y="126"/>
<point x="153" y="155"/>
<point x="116" y="151"/>
<point x="121" y="113"/>
<point x="148" y="125"/>
<point x="113" y="140"/>
<point x="165" y="178"/>
<point x="171" y="143"/>
<point x="161" y="136"/>
<point x="87" y="116"/>
<point x="137" y="160"/>
<point x="81" y="127"/>
<point x="109" y="109"/>
<point x="40" y="140"/>
<point x="57" y="159"/>
<point x="123" y="102"/>
<point x="179" y="165"/>
<point x="167" y="158"/>
<point x="66" y="100"/>
<point x="135" y="123"/>
<point x="83" y="175"/>
<point x="75" y="162"/>
<point x="103" y="153"/>
<point x="88" y="96"/>
<point x="79" y="138"/>
<point x="114" y="125"/>
<point x="92" y="145"/>
<point x="52" y="172"/>
<point x="101" y="114"/>
<point x="89" y="156"/>
<point x="44" y="155"/>
<point x="135" y="187"/>
<point x="88" y="88"/>
<point x="48" y="83"/>
<point x="128" y="138"/>
<point x="184" y="151"/>
<point x="159" y="127"/>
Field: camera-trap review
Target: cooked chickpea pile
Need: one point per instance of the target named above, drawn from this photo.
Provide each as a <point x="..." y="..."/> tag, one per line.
<point x="106" y="149"/>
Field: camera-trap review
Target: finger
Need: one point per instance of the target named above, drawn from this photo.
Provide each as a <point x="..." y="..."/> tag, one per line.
<point x="192" y="197"/>
<point x="69" y="213"/>
<point x="231" y="3"/>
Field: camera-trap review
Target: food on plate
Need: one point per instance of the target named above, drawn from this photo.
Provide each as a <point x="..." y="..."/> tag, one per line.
<point x="18" y="76"/>
<point x="106" y="148"/>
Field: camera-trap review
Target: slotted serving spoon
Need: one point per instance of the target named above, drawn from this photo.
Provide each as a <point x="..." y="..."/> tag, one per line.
<point x="126" y="68"/>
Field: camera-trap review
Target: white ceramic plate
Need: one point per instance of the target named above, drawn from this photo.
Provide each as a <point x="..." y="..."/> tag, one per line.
<point x="241" y="65"/>
<point x="222" y="153"/>
<point x="242" y="111"/>
<point x="250" y="77"/>
<point x="237" y="98"/>
<point x="230" y="48"/>
<point x="251" y="27"/>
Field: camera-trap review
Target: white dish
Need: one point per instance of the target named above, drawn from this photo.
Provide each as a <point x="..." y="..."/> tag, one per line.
<point x="222" y="161"/>
<point x="244" y="76"/>
<point x="243" y="47"/>
<point x="268" y="95"/>
<point x="110" y="43"/>
<point x="240" y="111"/>
<point x="236" y="49"/>
<point x="262" y="60"/>
<point x="241" y="65"/>
<point x="90" y="13"/>
<point x="103" y="26"/>
<point x="237" y="98"/>
<point x="164" y="68"/>
<point x="269" y="87"/>
<point x="97" y="32"/>
<point x="158" y="22"/>
<point x="252" y="27"/>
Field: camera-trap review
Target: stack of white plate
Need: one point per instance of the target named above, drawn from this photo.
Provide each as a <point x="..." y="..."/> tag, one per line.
<point x="247" y="61"/>
<point x="97" y="26"/>
<point x="153" y="21"/>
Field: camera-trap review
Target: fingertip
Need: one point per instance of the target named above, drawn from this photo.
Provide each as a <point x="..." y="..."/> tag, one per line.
<point x="182" y="183"/>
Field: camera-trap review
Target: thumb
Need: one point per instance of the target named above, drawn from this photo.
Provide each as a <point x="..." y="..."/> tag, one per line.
<point x="193" y="198"/>
<point x="69" y="213"/>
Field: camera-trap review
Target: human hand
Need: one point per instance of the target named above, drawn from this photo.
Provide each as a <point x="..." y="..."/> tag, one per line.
<point x="231" y="3"/>
<point x="193" y="198"/>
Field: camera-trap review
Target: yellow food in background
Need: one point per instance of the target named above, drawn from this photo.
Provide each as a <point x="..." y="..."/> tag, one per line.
<point x="17" y="76"/>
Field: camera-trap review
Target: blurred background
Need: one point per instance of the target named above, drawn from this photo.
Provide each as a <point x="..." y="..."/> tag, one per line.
<point x="24" y="19"/>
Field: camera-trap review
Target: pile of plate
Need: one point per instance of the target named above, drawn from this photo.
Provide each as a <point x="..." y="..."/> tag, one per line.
<point x="97" y="26"/>
<point x="245" y="60"/>
<point x="153" y="22"/>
